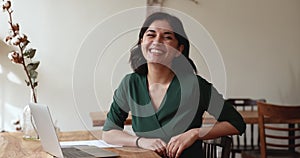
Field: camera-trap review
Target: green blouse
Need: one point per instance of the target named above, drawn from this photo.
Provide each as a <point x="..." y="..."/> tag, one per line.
<point x="186" y="99"/>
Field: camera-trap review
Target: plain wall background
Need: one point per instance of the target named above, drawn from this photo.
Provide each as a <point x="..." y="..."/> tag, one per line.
<point x="259" y="42"/>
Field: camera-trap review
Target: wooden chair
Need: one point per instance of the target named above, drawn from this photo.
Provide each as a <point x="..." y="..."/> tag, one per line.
<point x="247" y="141"/>
<point x="277" y="140"/>
<point x="210" y="147"/>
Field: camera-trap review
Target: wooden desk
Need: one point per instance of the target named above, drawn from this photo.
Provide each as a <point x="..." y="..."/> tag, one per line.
<point x="98" y="118"/>
<point x="250" y="117"/>
<point x="13" y="145"/>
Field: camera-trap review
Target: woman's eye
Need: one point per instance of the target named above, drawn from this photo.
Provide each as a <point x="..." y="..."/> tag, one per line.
<point x="150" y="35"/>
<point x="168" y="37"/>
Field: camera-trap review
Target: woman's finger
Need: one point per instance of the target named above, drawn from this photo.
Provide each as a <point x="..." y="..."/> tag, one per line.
<point x="173" y="150"/>
<point x="161" y="150"/>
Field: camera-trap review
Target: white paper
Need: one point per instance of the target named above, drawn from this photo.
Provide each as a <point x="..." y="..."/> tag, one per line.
<point x="97" y="143"/>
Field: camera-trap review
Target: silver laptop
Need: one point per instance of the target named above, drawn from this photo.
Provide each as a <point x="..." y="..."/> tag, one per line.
<point x="49" y="139"/>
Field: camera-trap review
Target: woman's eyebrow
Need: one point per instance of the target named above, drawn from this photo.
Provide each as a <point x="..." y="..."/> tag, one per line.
<point x="152" y="31"/>
<point x="166" y="33"/>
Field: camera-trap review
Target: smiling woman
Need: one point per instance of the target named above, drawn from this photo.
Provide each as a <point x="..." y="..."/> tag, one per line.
<point x="163" y="95"/>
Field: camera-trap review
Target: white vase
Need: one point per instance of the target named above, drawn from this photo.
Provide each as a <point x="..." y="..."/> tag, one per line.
<point x="28" y="125"/>
<point x="28" y="129"/>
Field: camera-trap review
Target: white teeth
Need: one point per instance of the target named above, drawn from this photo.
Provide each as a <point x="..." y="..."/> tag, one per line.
<point x="157" y="51"/>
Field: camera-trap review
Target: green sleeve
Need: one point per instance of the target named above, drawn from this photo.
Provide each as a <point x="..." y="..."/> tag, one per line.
<point x="230" y="114"/>
<point x="216" y="106"/>
<point x="119" y="109"/>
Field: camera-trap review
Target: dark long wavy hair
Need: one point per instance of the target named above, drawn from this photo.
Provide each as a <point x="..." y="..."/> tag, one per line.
<point x="137" y="60"/>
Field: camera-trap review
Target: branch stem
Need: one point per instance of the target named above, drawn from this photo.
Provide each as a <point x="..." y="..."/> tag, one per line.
<point x="22" y="56"/>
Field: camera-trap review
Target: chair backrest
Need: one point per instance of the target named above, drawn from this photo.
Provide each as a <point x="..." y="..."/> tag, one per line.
<point x="246" y="104"/>
<point x="210" y="147"/>
<point x="281" y="131"/>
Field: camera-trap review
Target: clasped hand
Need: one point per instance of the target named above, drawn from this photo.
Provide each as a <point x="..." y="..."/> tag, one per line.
<point x="174" y="148"/>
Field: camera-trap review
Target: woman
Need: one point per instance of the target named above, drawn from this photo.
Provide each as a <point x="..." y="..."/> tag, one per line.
<point x="165" y="96"/>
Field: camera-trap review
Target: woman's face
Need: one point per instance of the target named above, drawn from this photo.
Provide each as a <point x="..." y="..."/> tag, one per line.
<point x="159" y="44"/>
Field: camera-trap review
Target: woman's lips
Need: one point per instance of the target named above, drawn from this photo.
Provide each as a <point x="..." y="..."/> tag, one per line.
<point x="156" y="51"/>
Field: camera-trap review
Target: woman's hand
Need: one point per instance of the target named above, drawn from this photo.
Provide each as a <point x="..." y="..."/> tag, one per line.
<point x="180" y="142"/>
<point x="156" y="145"/>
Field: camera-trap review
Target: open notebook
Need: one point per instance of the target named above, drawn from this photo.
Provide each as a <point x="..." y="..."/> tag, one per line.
<point x="50" y="143"/>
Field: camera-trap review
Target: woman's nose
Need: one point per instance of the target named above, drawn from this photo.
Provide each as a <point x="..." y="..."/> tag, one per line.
<point x="158" y="39"/>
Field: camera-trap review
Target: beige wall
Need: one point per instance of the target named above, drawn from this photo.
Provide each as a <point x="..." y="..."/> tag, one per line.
<point x="57" y="29"/>
<point x="259" y="42"/>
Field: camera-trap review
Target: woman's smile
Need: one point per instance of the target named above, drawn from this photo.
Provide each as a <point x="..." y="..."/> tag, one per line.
<point x="156" y="51"/>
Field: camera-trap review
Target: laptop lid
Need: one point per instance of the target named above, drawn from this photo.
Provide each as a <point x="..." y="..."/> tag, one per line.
<point x="49" y="139"/>
<point x="45" y="129"/>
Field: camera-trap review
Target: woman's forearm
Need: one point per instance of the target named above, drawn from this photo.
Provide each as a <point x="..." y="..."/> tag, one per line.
<point x="119" y="137"/>
<point x="210" y="132"/>
<point x="217" y="130"/>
